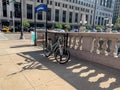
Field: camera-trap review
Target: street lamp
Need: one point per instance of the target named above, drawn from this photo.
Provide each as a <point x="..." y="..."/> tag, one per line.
<point x="106" y="19"/>
<point x="46" y="24"/>
<point x="21" y="36"/>
<point x="82" y="23"/>
<point x="35" y="24"/>
<point x="94" y="16"/>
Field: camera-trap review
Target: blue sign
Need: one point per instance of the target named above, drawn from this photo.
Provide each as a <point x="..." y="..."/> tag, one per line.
<point x="41" y="7"/>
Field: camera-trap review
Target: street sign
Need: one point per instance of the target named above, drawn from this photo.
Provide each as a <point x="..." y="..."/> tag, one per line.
<point x="41" y="7"/>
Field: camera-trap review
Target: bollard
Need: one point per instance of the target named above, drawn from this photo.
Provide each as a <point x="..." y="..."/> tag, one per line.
<point x="32" y="37"/>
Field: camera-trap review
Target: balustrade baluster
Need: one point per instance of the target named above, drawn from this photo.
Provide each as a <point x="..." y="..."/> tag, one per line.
<point x="74" y="42"/>
<point x="79" y="43"/>
<point x="104" y="47"/>
<point x="96" y="45"/>
<point x="113" y="48"/>
<point x="70" y="41"/>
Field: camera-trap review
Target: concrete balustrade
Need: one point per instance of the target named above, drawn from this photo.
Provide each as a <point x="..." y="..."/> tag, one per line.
<point x="96" y="47"/>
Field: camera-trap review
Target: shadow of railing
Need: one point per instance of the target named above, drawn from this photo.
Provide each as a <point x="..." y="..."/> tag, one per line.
<point x="82" y="75"/>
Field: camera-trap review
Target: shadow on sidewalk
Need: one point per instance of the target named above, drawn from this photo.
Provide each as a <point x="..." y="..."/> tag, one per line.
<point x="20" y="46"/>
<point x="82" y="75"/>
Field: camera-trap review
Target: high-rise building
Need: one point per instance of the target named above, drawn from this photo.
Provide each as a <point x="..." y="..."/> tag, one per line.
<point x="103" y="11"/>
<point x="116" y="13"/>
<point x="59" y="11"/>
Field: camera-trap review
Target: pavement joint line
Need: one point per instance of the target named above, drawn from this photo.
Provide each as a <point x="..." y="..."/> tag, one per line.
<point x="21" y="73"/>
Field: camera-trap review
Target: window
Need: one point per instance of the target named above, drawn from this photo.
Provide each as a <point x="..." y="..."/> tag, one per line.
<point x="58" y="4"/>
<point x="39" y="15"/>
<point x="49" y="14"/>
<point x="17" y="7"/>
<point x="50" y="2"/>
<point x="38" y="0"/>
<point x="76" y="17"/>
<point x="70" y="17"/>
<point x="4" y="9"/>
<point x="56" y="15"/>
<point x="55" y="3"/>
<point x="29" y="11"/>
<point x="90" y="19"/>
<point x="64" y="16"/>
<point x="86" y="17"/>
<point x="41" y="1"/>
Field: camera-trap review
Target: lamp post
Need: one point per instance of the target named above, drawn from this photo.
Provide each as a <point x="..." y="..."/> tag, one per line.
<point x="94" y="16"/>
<point x="53" y="24"/>
<point x="35" y="42"/>
<point x="46" y="23"/>
<point x="21" y="36"/>
<point x="80" y="26"/>
<point x="106" y="19"/>
<point x="82" y="23"/>
<point x="13" y="17"/>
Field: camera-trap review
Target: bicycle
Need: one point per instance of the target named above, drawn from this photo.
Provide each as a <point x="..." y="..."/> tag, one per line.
<point x="61" y="54"/>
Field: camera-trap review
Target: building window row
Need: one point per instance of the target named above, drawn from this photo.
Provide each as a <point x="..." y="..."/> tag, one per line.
<point x="81" y="3"/>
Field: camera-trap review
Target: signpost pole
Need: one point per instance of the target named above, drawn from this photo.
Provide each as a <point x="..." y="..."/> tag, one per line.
<point x="35" y="42"/>
<point x="46" y="24"/>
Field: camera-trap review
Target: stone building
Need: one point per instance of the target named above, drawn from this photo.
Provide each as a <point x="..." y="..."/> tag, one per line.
<point x="59" y="11"/>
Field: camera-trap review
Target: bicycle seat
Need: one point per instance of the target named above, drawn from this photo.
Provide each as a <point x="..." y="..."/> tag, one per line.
<point x="49" y="39"/>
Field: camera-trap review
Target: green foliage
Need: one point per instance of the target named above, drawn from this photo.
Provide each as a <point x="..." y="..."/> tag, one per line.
<point x="98" y="28"/>
<point x="118" y="20"/>
<point x="58" y="25"/>
<point x="26" y="24"/>
<point x="67" y="26"/>
<point x="117" y="24"/>
<point x="89" y="27"/>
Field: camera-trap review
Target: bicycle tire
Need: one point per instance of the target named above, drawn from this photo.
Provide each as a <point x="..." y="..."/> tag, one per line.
<point x="46" y="50"/>
<point x="60" y="58"/>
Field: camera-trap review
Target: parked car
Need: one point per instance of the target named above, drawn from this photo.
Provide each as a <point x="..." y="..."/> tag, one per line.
<point x="26" y="29"/>
<point x="59" y="30"/>
<point x="41" y="28"/>
<point x="5" y="29"/>
<point x="74" y="30"/>
<point x="17" y="29"/>
<point x="31" y="29"/>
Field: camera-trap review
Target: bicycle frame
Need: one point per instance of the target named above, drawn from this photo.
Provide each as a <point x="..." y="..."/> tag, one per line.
<point x="54" y="46"/>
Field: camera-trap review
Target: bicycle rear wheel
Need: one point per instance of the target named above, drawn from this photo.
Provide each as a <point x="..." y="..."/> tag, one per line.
<point x="47" y="50"/>
<point x="62" y="58"/>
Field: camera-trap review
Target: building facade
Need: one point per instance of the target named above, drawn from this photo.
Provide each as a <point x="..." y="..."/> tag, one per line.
<point x="103" y="11"/>
<point x="116" y="13"/>
<point x="59" y="11"/>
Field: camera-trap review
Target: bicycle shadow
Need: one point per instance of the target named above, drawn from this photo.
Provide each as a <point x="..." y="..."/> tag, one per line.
<point x="82" y="75"/>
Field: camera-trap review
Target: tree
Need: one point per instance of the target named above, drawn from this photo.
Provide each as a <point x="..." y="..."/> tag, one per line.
<point x="117" y="24"/>
<point x="59" y="26"/>
<point x="26" y="24"/>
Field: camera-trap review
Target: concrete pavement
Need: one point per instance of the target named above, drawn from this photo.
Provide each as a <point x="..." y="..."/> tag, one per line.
<point x="2" y="37"/>
<point x="24" y="67"/>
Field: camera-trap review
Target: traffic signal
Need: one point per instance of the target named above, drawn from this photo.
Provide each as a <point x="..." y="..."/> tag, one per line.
<point x="7" y="1"/>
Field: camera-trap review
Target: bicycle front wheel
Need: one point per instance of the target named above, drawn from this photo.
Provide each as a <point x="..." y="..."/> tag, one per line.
<point x="47" y="50"/>
<point x="62" y="58"/>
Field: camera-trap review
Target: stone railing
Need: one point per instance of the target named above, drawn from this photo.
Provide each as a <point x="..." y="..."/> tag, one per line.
<point x="97" y="47"/>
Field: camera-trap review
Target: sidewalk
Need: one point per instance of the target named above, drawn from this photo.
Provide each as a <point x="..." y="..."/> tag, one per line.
<point x="24" y="67"/>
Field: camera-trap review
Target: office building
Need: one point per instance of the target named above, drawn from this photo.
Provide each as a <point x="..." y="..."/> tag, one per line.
<point x="116" y="13"/>
<point x="59" y="11"/>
